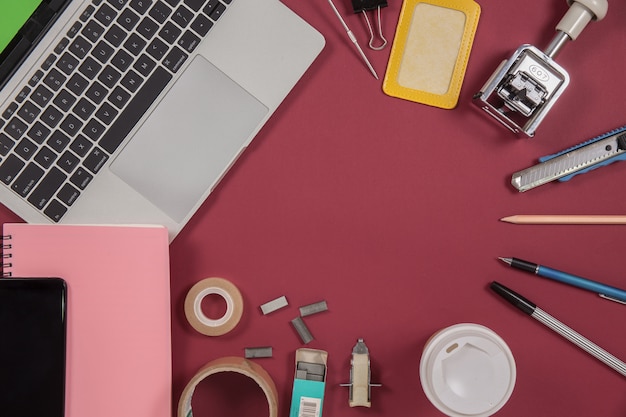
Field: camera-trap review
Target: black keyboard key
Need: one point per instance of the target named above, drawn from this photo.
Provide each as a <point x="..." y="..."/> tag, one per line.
<point x="170" y="33"/>
<point x="173" y="3"/>
<point x="81" y="145"/>
<point x="175" y="59"/>
<point x="83" y="109"/>
<point x="141" y="6"/>
<point x="6" y="143"/>
<point x="58" y="141"/>
<point x="144" y="65"/>
<point x="131" y="81"/>
<point x="54" y="79"/>
<point x="67" y="162"/>
<point x="64" y="100"/>
<point x="80" y="47"/>
<point x="10" y="168"/>
<point x="55" y="211"/>
<point x="135" y="44"/>
<point x="128" y="19"/>
<point x="94" y="130"/>
<point x="71" y="125"/>
<point x="16" y="128"/>
<point x="182" y="16"/>
<point x="106" y="113"/>
<point x="119" y="97"/>
<point x="160" y="11"/>
<point x="201" y="25"/>
<point x="68" y="194"/>
<point x="51" y="117"/>
<point x="147" y="28"/>
<point x="38" y="132"/>
<point x="86" y="14"/>
<point x="210" y="6"/>
<point x="92" y="31"/>
<point x="48" y="62"/>
<point x="90" y="68"/>
<point x="102" y="52"/>
<point x="67" y="63"/>
<point x="36" y="77"/>
<point x="81" y="178"/>
<point x="157" y="49"/>
<point x="77" y="84"/>
<point x="96" y="93"/>
<point x="105" y="14"/>
<point x="29" y="111"/>
<point x="122" y="60"/>
<point x="23" y="94"/>
<point x="61" y="46"/>
<point x="151" y="89"/>
<point x="10" y="110"/>
<point x="45" y="157"/>
<point x="26" y="149"/>
<point x="115" y="35"/>
<point x="194" y="5"/>
<point x="118" y="4"/>
<point x="217" y="11"/>
<point x="27" y="179"/>
<point x="73" y="31"/>
<point x="95" y="160"/>
<point x="109" y="76"/>
<point x="46" y="189"/>
<point x="188" y="41"/>
<point x="41" y="96"/>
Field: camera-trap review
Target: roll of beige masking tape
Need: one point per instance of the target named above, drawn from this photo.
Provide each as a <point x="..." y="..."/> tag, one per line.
<point x="231" y="364"/>
<point x="204" y="324"/>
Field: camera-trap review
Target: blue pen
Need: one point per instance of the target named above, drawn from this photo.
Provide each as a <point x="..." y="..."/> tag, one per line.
<point x="605" y="291"/>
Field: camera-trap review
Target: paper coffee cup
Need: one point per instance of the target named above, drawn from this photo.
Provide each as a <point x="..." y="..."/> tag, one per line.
<point x="467" y="370"/>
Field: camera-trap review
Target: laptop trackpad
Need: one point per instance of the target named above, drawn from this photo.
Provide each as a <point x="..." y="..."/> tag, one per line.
<point x="190" y="139"/>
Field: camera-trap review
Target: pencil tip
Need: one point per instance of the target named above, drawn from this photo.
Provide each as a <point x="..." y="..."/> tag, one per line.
<point x="508" y="219"/>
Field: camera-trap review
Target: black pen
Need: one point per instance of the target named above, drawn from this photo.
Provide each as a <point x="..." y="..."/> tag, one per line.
<point x="576" y="338"/>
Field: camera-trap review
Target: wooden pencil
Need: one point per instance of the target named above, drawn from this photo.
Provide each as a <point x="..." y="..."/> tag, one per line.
<point x="564" y="219"/>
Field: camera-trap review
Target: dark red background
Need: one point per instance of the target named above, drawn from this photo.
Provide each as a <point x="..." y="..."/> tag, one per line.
<point x="389" y="209"/>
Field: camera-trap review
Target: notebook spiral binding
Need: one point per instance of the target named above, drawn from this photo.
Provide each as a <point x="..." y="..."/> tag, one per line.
<point x="4" y="264"/>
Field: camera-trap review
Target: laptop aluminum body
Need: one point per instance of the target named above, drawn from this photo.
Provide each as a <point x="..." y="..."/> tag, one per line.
<point x="209" y="112"/>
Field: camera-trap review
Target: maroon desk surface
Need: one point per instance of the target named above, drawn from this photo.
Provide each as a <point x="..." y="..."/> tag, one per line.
<point x="389" y="209"/>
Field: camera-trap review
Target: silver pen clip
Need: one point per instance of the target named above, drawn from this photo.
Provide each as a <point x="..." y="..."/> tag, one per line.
<point x="612" y="299"/>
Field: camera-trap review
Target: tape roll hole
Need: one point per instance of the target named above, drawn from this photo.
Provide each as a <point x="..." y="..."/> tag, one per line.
<point x="205" y="298"/>
<point x="214" y="306"/>
<point x="229" y="394"/>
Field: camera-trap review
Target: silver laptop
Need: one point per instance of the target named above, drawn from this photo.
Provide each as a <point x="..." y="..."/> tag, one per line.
<point x="131" y="111"/>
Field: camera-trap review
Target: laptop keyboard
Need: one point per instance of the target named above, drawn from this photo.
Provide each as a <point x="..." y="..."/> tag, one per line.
<point x="77" y="108"/>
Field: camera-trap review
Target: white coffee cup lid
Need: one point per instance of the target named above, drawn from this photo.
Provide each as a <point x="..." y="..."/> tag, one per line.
<point x="467" y="370"/>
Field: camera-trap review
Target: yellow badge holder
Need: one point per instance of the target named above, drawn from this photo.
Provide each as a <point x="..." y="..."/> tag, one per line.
<point x="430" y="51"/>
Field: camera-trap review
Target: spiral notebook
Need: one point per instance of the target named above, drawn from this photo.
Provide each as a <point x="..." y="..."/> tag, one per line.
<point x="119" y="332"/>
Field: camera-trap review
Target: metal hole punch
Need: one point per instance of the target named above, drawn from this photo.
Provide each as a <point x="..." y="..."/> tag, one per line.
<point x="364" y="6"/>
<point x="523" y="89"/>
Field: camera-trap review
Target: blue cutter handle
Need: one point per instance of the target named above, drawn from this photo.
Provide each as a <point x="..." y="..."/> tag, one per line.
<point x="616" y="158"/>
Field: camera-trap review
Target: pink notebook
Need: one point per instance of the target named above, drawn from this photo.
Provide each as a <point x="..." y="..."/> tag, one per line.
<point x="119" y="333"/>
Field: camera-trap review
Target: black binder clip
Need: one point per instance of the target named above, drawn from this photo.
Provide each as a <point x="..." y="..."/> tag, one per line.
<point x="364" y="6"/>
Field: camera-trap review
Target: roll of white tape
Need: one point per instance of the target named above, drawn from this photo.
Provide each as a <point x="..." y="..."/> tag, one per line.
<point x="231" y="364"/>
<point x="204" y="324"/>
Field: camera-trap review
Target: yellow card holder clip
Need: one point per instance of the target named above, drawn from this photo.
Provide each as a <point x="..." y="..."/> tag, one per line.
<point x="430" y="51"/>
